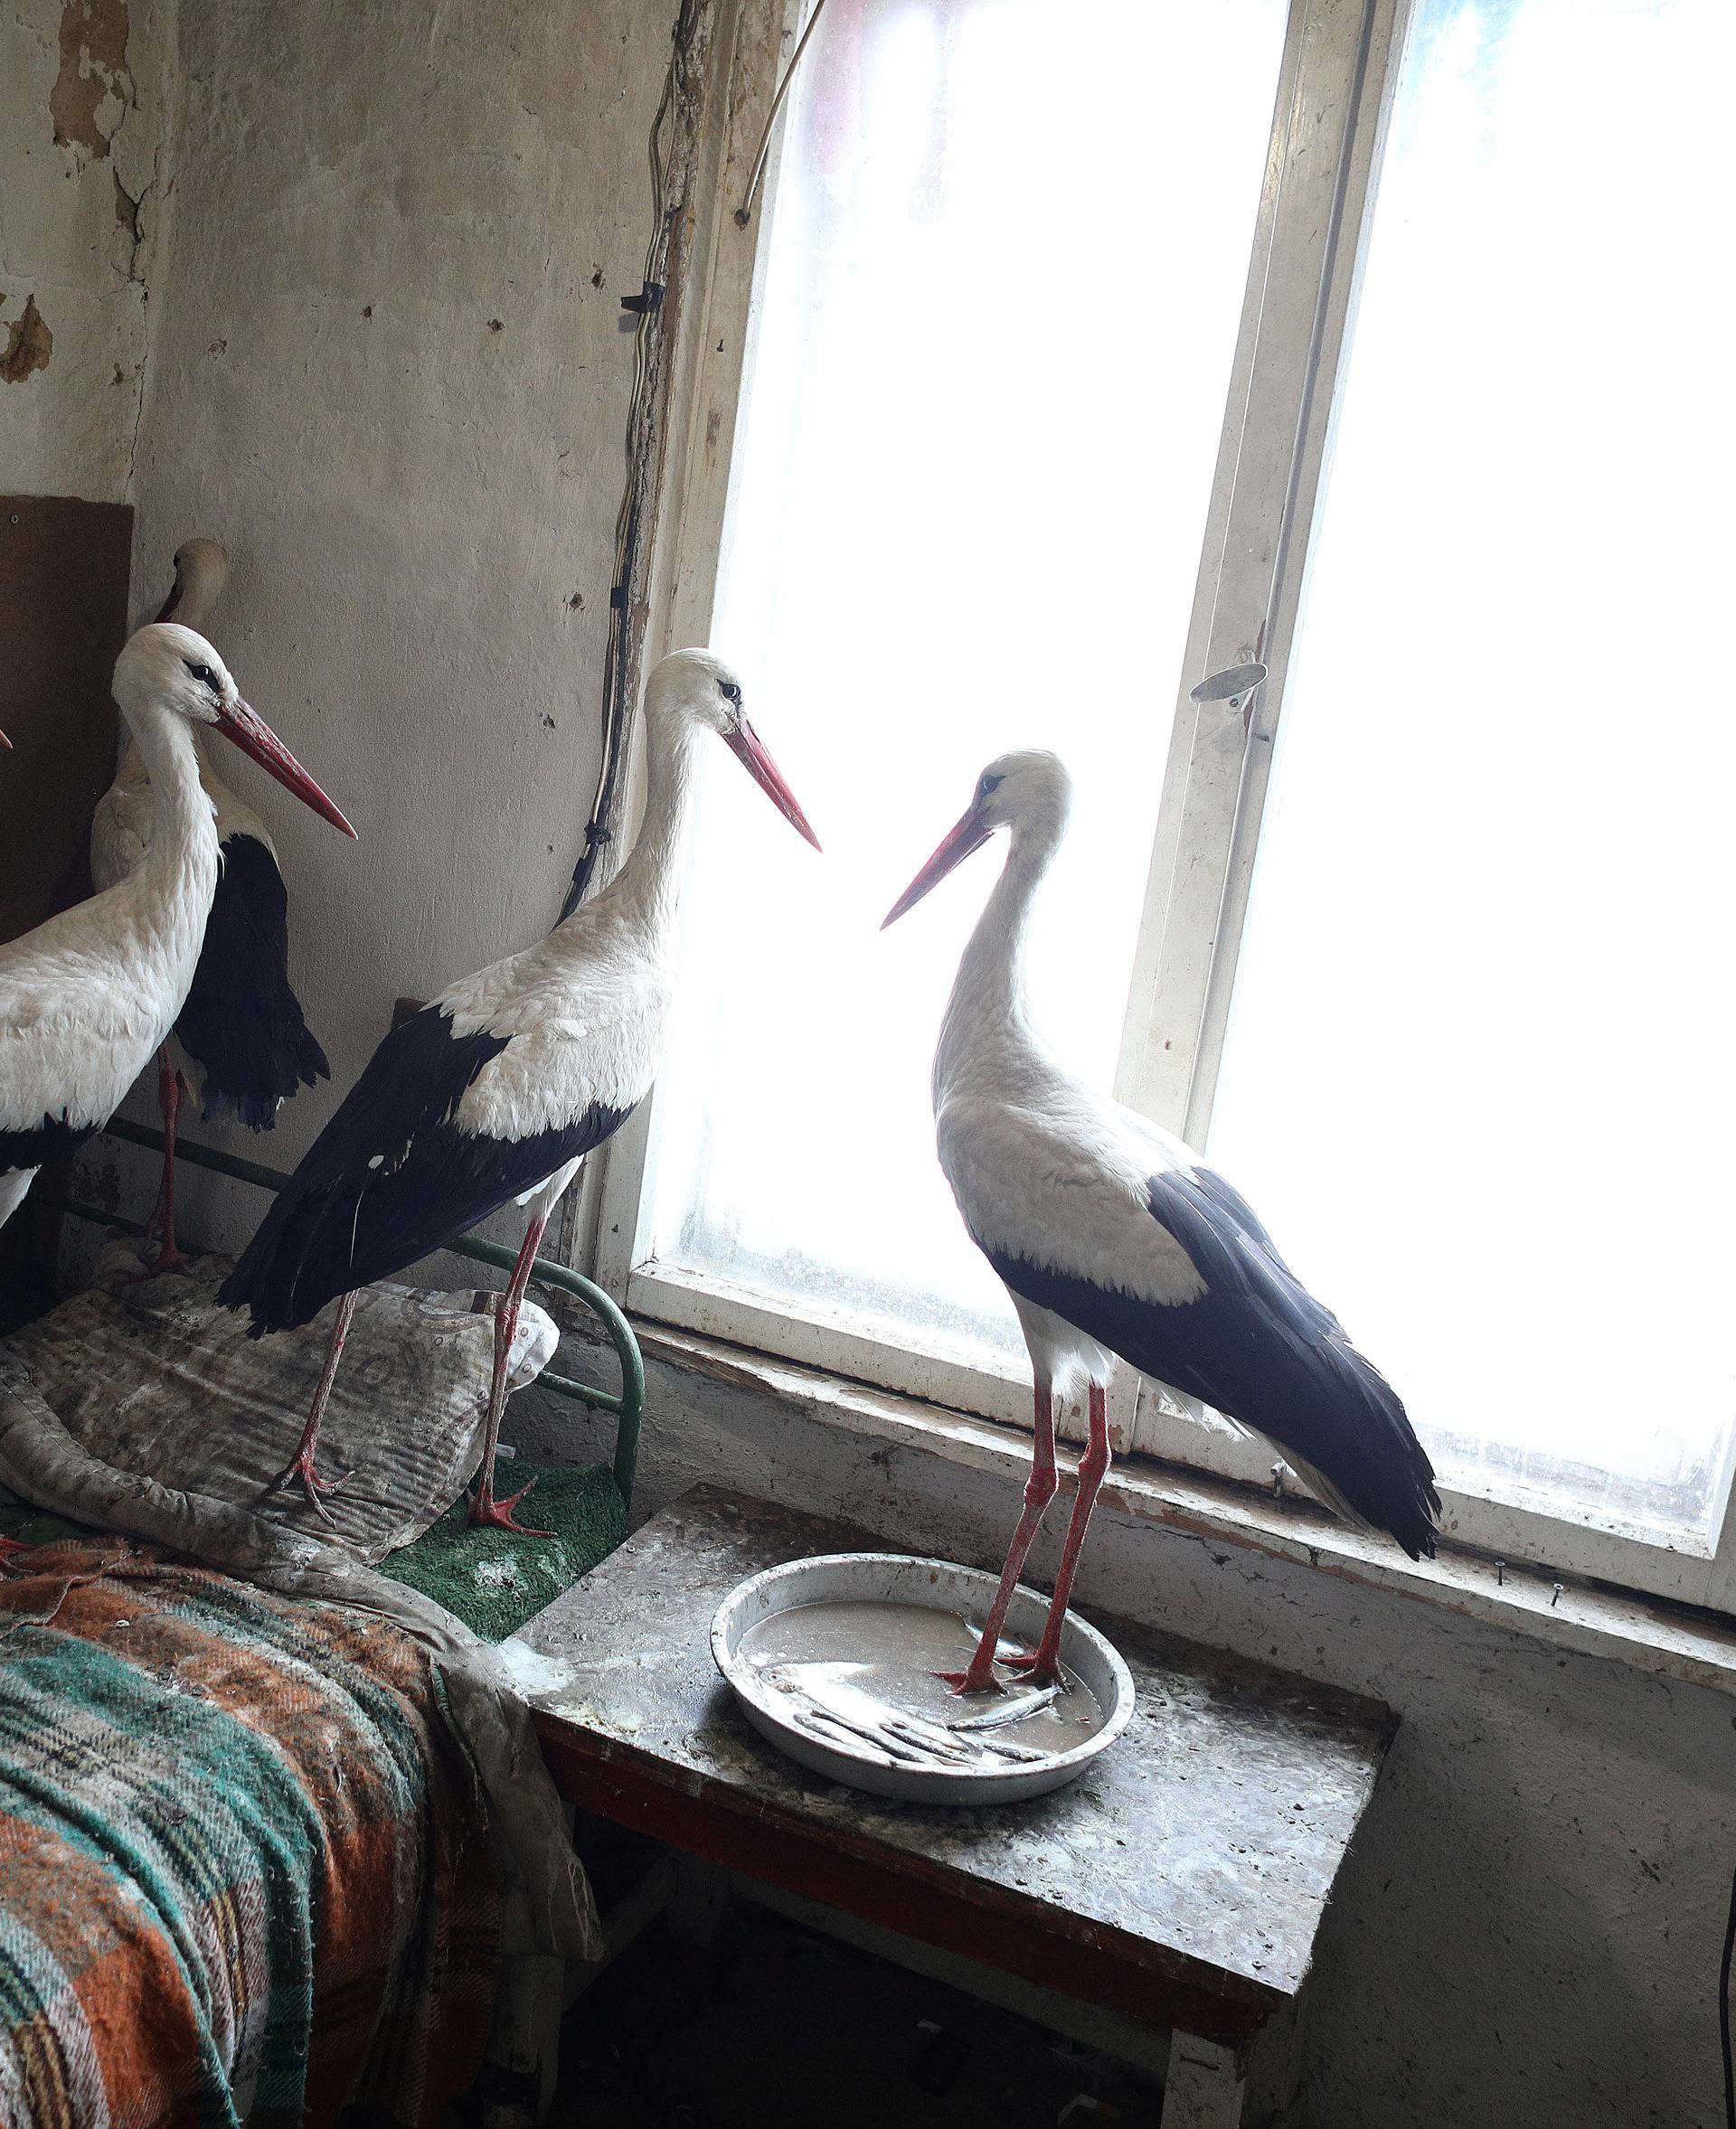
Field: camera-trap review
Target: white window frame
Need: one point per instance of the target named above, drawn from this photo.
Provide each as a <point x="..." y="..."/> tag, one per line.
<point x="1340" y="67"/>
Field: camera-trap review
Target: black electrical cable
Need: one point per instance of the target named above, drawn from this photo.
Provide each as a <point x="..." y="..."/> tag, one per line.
<point x="640" y="414"/>
<point x="1723" y="2010"/>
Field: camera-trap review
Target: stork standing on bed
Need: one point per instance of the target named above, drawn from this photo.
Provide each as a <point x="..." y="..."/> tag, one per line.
<point x="1113" y="1238"/>
<point x="499" y="1087"/>
<point x="241" y="1042"/>
<point x="87" y="999"/>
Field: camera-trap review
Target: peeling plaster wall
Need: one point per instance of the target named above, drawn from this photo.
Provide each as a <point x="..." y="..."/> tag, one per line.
<point x="84" y="92"/>
<point x="391" y="377"/>
<point x="1528" y="1928"/>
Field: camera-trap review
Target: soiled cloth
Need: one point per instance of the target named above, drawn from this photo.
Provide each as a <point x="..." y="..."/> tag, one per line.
<point x="152" y="1376"/>
<point x="244" y="1869"/>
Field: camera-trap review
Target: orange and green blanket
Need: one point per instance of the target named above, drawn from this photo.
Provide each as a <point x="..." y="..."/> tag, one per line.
<point x="244" y="1870"/>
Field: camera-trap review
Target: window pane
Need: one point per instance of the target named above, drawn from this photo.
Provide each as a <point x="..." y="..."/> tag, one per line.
<point x="1001" y="292"/>
<point x="1478" y="1065"/>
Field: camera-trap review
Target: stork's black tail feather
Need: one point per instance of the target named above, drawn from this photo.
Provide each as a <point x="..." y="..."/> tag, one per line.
<point x="242" y="1023"/>
<point x="294" y="1060"/>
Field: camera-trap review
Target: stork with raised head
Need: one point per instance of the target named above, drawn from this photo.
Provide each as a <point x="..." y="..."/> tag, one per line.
<point x="241" y="1042"/>
<point x="87" y="999"/>
<point x="1114" y="1239"/>
<point x="496" y="1089"/>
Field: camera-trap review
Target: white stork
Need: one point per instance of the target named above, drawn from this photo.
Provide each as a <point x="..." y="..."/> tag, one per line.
<point x="87" y="999"/>
<point x="1112" y="1238"/>
<point x="498" y="1088"/>
<point x="241" y="1042"/>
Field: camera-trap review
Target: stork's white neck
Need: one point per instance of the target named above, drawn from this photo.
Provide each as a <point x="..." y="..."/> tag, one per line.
<point x="130" y="772"/>
<point x="986" y="1027"/>
<point x="644" y="892"/>
<point x="178" y="875"/>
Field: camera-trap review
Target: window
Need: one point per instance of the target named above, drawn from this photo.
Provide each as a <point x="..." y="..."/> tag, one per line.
<point x="1045" y="339"/>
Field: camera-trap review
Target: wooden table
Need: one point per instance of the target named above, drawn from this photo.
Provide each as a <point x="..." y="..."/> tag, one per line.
<point x="1179" y="1883"/>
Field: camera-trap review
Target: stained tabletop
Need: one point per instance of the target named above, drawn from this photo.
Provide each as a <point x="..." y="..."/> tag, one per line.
<point x="1212" y="1830"/>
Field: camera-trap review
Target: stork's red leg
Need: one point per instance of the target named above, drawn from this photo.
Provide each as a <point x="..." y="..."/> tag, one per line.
<point x="168" y="1095"/>
<point x="485" y="1509"/>
<point x="1039" y="1491"/>
<point x="1092" y="1466"/>
<point x="300" y="1467"/>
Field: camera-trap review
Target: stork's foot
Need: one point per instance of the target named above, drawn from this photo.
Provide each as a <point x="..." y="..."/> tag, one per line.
<point x="167" y="1258"/>
<point x="300" y="1471"/>
<point x="486" y="1514"/>
<point x="979" y="1679"/>
<point x="1040" y="1665"/>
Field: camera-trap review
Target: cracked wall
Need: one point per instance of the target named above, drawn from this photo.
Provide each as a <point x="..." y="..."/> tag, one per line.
<point x="84" y="97"/>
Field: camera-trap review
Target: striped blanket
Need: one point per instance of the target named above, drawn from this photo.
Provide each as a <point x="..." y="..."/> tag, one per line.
<point x="244" y="1874"/>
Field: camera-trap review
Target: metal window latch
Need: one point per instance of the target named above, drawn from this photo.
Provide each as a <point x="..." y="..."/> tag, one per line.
<point x="1234" y="687"/>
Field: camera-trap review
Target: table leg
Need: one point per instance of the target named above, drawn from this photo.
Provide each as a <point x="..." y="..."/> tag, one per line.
<point x="1204" y="2086"/>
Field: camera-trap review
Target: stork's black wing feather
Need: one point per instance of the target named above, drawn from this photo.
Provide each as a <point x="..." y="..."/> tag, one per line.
<point x="43" y="1142"/>
<point x="1257" y="1346"/>
<point x="391" y="1179"/>
<point x="242" y="1022"/>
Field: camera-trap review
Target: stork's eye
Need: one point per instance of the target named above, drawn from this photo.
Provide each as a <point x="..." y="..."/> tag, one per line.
<point x="987" y="783"/>
<point x="729" y="691"/>
<point x="204" y="674"/>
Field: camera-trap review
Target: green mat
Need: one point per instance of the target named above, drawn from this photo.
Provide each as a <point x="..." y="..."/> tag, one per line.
<point x="496" y="1581"/>
<point x="31" y="1525"/>
<point x="492" y="1580"/>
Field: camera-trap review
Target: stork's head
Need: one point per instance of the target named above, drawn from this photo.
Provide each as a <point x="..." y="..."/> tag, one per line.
<point x="698" y="688"/>
<point x="201" y="571"/>
<point x="166" y="669"/>
<point x="1027" y="791"/>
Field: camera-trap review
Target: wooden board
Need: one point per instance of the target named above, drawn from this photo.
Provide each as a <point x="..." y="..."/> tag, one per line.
<point x="1181" y="1879"/>
<point x="64" y="570"/>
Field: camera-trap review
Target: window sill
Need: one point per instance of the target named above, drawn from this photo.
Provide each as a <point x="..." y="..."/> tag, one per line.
<point x="1647" y="1634"/>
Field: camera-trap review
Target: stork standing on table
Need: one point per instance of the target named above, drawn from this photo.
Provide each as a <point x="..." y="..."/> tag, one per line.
<point x="241" y="1042"/>
<point x="499" y="1087"/>
<point x="1113" y="1238"/>
<point x="87" y="999"/>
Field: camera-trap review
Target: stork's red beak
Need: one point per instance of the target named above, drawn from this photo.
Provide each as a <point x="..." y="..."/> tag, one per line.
<point x="969" y="833"/>
<point x="5" y="741"/>
<point x="255" y="737"/>
<point x="745" y="744"/>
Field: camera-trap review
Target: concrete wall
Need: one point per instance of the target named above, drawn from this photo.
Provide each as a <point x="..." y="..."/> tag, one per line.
<point x="84" y="112"/>
<point x="390" y="372"/>
<point x="392" y="375"/>
<point x="1528" y="1929"/>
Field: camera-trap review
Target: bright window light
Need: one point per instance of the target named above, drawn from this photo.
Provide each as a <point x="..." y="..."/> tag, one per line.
<point x="1479" y="1064"/>
<point x="1000" y="296"/>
